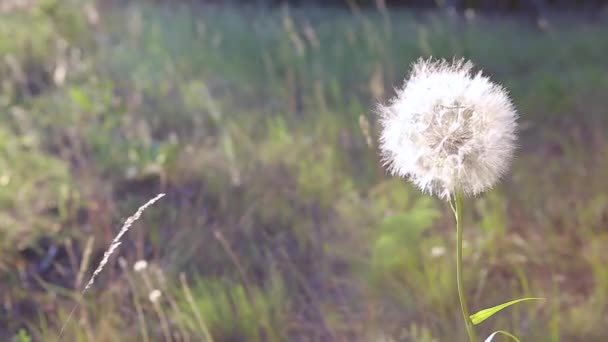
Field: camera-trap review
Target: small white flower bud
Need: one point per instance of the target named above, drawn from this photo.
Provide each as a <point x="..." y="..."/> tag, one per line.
<point x="437" y="251"/>
<point x="154" y="296"/>
<point x="140" y="265"/>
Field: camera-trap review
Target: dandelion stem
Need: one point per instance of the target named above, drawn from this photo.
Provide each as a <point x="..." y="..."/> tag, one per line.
<point x="461" y="293"/>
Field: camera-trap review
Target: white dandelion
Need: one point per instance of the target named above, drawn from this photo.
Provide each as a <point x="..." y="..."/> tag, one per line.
<point x="448" y="130"/>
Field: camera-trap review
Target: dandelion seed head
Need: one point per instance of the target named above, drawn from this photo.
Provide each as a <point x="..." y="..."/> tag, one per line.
<point x="448" y="130"/>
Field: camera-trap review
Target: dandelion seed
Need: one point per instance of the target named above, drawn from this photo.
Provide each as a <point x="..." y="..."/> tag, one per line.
<point x="154" y="295"/>
<point x="448" y="130"/>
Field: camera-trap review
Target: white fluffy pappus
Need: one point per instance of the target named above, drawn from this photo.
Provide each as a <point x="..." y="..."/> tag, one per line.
<point x="448" y="130"/>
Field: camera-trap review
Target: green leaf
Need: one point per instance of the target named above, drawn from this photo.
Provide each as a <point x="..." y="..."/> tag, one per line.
<point x="484" y="314"/>
<point x="491" y="337"/>
<point x="81" y="98"/>
<point x="22" y="336"/>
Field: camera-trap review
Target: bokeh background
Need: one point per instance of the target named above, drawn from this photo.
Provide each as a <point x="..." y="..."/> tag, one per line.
<point x="256" y="118"/>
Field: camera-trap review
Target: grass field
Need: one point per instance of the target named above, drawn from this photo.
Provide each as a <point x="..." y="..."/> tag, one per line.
<point x="279" y="222"/>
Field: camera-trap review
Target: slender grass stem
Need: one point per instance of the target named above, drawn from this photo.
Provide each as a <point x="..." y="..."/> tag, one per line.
<point x="461" y="292"/>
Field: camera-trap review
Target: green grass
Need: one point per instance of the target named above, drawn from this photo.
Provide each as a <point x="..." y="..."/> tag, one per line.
<point x="259" y="126"/>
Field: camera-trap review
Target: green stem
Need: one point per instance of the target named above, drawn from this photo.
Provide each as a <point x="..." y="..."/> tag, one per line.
<point x="461" y="293"/>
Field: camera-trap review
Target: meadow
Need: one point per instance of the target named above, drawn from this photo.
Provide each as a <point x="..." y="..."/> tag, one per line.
<point x="279" y="222"/>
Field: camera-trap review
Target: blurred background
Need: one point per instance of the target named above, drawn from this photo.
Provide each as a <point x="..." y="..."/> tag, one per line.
<point x="256" y="118"/>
